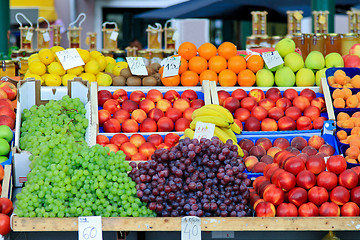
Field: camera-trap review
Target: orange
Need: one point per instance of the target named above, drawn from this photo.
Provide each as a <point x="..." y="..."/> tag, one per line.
<point x="227" y="78"/>
<point x="198" y="64"/>
<point x="187" y="50"/>
<point x="217" y="64"/>
<point x="183" y="65"/>
<point x="207" y="50"/>
<point x="254" y="63"/>
<point x="189" y="78"/>
<point x="208" y="75"/>
<point x="161" y="70"/>
<point x="227" y="50"/>
<point x="246" y="78"/>
<point x="237" y="64"/>
<point x="171" y="81"/>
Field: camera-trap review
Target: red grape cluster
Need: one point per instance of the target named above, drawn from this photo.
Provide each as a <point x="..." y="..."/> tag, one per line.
<point x="194" y="178"/>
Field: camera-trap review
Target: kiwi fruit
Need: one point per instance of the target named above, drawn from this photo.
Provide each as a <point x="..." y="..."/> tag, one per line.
<point x="133" y="81"/>
<point x="155" y="66"/>
<point x="149" y="81"/>
<point x="119" y="81"/>
<point x="157" y="76"/>
<point x="150" y="71"/>
<point x="125" y="73"/>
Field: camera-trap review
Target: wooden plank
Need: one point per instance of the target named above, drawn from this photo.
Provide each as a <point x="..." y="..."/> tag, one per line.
<point x="207" y="224"/>
<point x="328" y="99"/>
<point x="213" y="92"/>
<point x="6" y="183"/>
<point x="206" y="91"/>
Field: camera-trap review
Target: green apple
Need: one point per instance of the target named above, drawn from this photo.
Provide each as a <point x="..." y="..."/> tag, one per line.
<point x="305" y="78"/>
<point x="334" y="59"/>
<point x="3" y="159"/>
<point x="285" y="46"/>
<point x="315" y="60"/>
<point x="294" y="61"/>
<point x="284" y="77"/>
<point x="264" y="78"/>
<point x="274" y="69"/>
<point x="319" y="75"/>
<point x="6" y="133"/>
<point x="4" y="147"/>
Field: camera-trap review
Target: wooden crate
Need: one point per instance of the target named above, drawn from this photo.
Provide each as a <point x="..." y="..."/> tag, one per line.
<point x="7" y="183"/>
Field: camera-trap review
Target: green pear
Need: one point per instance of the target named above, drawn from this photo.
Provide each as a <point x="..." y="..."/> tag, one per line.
<point x="319" y="75"/>
<point x="305" y="78"/>
<point x="294" y="61"/>
<point x="284" y="77"/>
<point x="334" y="59"/>
<point x="285" y="46"/>
<point x="315" y="60"/>
<point x="264" y="78"/>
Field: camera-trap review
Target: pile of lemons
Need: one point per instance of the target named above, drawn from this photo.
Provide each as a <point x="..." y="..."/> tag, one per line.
<point x="45" y="66"/>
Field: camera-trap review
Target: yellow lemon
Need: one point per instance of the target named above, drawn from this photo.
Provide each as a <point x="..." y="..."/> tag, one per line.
<point x="55" y="49"/>
<point x="67" y="77"/>
<point x="37" y="67"/>
<point x="76" y="70"/>
<point x="118" y="67"/>
<point x="31" y="75"/>
<point x="46" y="56"/>
<point x="102" y="62"/>
<point x="53" y="80"/>
<point x="88" y="77"/>
<point x="103" y="79"/>
<point x="43" y="78"/>
<point x="109" y="68"/>
<point x="95" y="54"/>
<point x="84" y="54"/>
<point x="110" y="60"/>
<point x="92" y="67"/>
<point x="33" y="57"/>
<point x="56" y="68"/>
<point x="123" y="64"/>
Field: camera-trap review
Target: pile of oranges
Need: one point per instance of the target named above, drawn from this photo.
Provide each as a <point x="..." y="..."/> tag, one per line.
<point x="221" y="64"/>
<point x="341" y="80"/>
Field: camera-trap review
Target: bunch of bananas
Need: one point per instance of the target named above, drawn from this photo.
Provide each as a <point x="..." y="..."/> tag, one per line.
<point x="225" y="127"/>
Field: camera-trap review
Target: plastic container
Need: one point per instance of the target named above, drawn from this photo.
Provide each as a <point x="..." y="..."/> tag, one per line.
<point x="343" y="149"/>
<point x="350" y="72"/>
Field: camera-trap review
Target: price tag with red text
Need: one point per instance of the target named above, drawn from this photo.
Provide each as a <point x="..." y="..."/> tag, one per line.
<point x="204" y="130"/>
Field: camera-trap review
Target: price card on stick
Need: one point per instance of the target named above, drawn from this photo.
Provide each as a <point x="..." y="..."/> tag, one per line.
<point x="204" y="130"/>
<point x="190" y="228"/>
<point x="46" y="36"/>
<point x="90" y="228"/>
<point x="137" y="66"/>
<point x="28" y="36"/>
<point x="272" y="59"/>
<point x="171" y="66"/>
<point x="114" y="35"/>
<point x="70" y="58"/>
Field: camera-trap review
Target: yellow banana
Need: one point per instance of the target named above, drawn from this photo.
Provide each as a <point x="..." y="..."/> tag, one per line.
<point x="221" y="110"/>
<point x="223" y="136"/>
<point x="182" y="137"/>
<point x="235" y="128"/>
<point x="207" y="112"/>
<point x="229" y="132"/>
<point x="218" y="121"/>
<point x="189" y="133"/>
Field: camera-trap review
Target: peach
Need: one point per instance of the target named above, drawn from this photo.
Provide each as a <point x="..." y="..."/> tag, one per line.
<point x="102" y="140"/>
<point x="156" y="114"/>
<point x="250" y="162"/>
<point x="155" y="139"/>
<point x="112" y="126"/>
<point x="258" y="94"/>
<point x="137" y="96"/>
<point x="222" y="95"/>
<point x="259" y="167"/>
<point x="171" y="139"/>
<point x="129" y="105"/>
<point x="138" y="115"/>
<point x="283" y="103"/>
<point x="282" y="143"/>
<point x="319" y="102"/>
<point x="147" y="149"/>
<point x="188" y="112"/>
<point x="266" y="159"/>
<point x="312" y="112"/>
<point x="259" y="112"/>
<point x="119" y="139"/>
<point x="112" y="148"/>
<point x="248" y="103"/>
<point x="242" y="114"/>
<point x="181" y="104"/>
<point x="257" y="151"/>
<point x="137" y="139"/>
<point x="130" y="125"/>
<point x="327" y="149"/>
<point x="154" y="95"/>
<point x="103" y="116"/>
<point x="163" y="105"/>
<point x="171" y="95"/>
<point x="121" y="115"/>
<point x="316" y="141"/>
<point x="138" y="157"/>
<point x="181" y="124"/>
<point x="290" y="94"/>
<point x="129" y="149"/>
<point x="165" y="124"/>
<point x="197" y="103"/>
<point x="174" y="114"/>
<point x="269" y="124"/>
<point x="272" y="151"/>
<point x="301" y="102"/>
<point x="275" y="113"/>
<point x="267" y="103"/>
<point x="309" y="150"/>
<point x="264" y="142"/>
<point x="148" y="125"/>
<point x="319" y="122"/>
<point x="246" y="144"/>
<point x="146" y="105"/>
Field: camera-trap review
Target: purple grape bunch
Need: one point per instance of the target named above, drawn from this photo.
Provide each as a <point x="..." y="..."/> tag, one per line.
<point x="194" y="178"/>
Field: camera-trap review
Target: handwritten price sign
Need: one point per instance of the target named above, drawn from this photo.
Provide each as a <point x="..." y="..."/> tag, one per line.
<point x="190" y="228"/>
<point x="171" y="66"/>
<point x="272" y="59"/>
<point x="70" y="58"/>
<point x="204" y="130"/>
<point x="90" y="228"/>
<point x="137" y="66"/>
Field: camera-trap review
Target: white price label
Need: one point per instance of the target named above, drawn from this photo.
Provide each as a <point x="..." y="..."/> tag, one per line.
<point x="90" y="228"/>
<point x="46" y="36"/>
<point x="114" y="35"/>
<point x="137" y="66"/>
<point x="190" y="228"/>
<point x="28" y="36"/>
<point x="70" y="58"/>
<point x="171" y="66"/>
<point x="204" y="130"/>
<point x="272" y="59"/>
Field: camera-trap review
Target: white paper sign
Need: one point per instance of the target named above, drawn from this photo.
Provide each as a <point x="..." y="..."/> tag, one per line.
<point x="114" y="35"/>
<point x="190" y="228"/>
<point x="28" y="36"/>
<point x="46" y="36"/>
<point x="204" y="130"/>
<point x="70" y="58"/>
<point x="90" y="228"/>
<point x="171" y="66"/>
<point x="137" y="66"/>
<point x="272" y="59"/>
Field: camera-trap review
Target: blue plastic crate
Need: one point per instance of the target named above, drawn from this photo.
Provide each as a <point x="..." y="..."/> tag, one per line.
<point x="350" y="72"/>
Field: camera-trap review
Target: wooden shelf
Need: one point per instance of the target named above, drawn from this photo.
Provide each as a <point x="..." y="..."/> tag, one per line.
<point x="207" y="224"/>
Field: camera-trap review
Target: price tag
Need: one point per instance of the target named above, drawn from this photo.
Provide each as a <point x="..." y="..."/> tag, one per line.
<point x="114" y="35"/>
<point x="171" y="66"/>
<point x="204" y="130"/>
<point x="272" y="59"/>
<point x="137" y="66"/>
<point x="70" y="58"/>
<point x="322" y="19"/>
<point x="29" y="35"/>
<point x="90" y="228"/>
<point x="46" y="36"/>
<point x="190" y="228"/>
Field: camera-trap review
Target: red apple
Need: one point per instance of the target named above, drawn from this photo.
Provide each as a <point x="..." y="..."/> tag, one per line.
<point x="293" y="112"/>
<point x="329" y="209"/>
<point x="120" y="95"/>
<point x="258" y="94"/>
<point x="283" y="103"/>
<point x="249" y="103"/>
<point x="275" y="113"/>
<point x="336" y="164"/>
<point x="155" y="139"/>
<point x="328" y="180"/>
<point x="265" y="209"/>
<point x="154" y="95"/>
<point x="286" y="181"/>
<point x="231" y="104"/>
<point x="340" y="195"/>
<point x="103" y="116"/>
<point x="6" y="102"/>
<point x="274" y="94"/>
<point x="148" y="125"/>
<point x="165" y="124"/>
<point x="112" y="126"/>
<point x="137" y="139"/>
<point x="286" y="210"/>
<point x="297" y="196"/>
<point x="239" y="94"/>
<point x="189" y="95"/>
<point x="308" y="210"/>
<point x="10" y="90"/>
<point x="137" y="96"/>
<point x="111" y="105"/>
<point x="242" y="114"/>
<point x="171" y="139"/>
<point x="348" y="179"/>
<point x="318" y="195"/>
<point x="350" y="209"/>
<point x="222" y="94"/>
<point x="181" y="124"/>
<point x="290" y="94"/>
<point x="181" y="104"/>
<point x="306" y="179"/>
<point x="129" y="105"/>
<point x="118" y="139"/>
<point x="352" y="61"/>
<point x="102" y="140"/>
<point x="269" y="124"/>
<point x="8" y="121"/>
<point x="171" y="95"/>
<point x="130" y="125"/>
<point x="286" y="124"/>
<point x="103" y="96"/>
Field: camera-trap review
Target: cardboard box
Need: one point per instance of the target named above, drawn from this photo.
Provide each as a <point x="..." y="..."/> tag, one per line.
<point x="31" y="93"/>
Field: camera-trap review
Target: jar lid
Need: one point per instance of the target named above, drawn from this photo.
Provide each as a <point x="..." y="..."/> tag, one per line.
<point x="24" y="58"/>
<point x="157" y="51"/>
<point x="252" y="37"/>
<point x="351" y="34"/>
<point x="169" y="50"/>
<point x="276" y="37"/>
<point x="333" y="34"/>
<point x="119" y="51"/>
<point x="105" y="51"/>
<point x="9" y="61"/>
